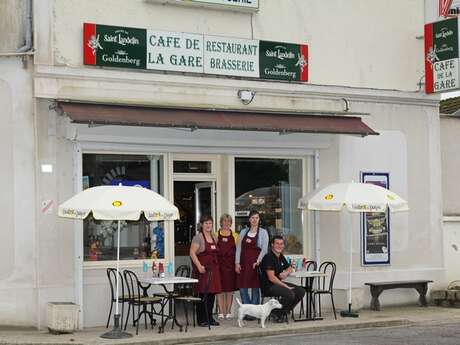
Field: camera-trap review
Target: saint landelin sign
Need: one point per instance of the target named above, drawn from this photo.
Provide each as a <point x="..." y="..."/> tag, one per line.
<point x="441" y="56"/>
<point x="114" y="46"/>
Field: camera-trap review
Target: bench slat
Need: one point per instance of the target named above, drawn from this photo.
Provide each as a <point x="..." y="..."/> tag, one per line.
<point x="405" y="282"/>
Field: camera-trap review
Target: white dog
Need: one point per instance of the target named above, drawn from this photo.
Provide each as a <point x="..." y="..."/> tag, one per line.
<point x="260" y="311"/>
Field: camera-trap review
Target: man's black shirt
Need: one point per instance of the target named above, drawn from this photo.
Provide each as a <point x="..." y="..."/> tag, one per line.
<point x="272" y="262"/>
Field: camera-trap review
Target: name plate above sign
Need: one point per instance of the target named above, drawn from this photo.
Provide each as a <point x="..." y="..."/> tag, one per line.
<point x="238" y="5"/>
<point x="113" y="46"/>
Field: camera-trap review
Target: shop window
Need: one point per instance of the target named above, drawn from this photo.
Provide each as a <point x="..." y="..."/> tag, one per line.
<point x="273" y="187"/>
<point x="138" y="239"/>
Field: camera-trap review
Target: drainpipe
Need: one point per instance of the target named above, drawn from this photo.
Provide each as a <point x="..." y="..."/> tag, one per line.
<point x="27" y="48"/>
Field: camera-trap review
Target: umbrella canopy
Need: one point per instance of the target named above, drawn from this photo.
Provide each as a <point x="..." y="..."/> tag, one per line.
<point x="118" y="203"/>
<point x="355" y="197"/>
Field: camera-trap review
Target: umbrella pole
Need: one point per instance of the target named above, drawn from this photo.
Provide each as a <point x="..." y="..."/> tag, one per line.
<point x="117" y="332"/>
<point x="349" y="313"/>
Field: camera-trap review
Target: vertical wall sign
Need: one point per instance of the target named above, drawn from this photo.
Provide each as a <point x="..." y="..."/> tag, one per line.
<point x="375" y="227"/>
<point x="441" y="56"/>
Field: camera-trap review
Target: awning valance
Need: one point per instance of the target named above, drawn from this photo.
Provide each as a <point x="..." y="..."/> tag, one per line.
<point x="214" y="119"/>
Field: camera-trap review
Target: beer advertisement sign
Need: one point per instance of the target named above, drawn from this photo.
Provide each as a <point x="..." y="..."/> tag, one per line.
<point x="121" y="47"/>
<point x="441" y="56"/>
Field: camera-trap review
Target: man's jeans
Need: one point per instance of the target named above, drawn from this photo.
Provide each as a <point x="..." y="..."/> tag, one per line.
<point x="288" y="297"/>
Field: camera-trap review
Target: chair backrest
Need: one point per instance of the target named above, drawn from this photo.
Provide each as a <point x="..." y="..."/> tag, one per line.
<point x="132" y="285"/>
<point x="112" y="277"/>
<point x="183" y="271"/>
<point x="327" y="283"/>
<point x="184" y="289"/>
<point x="309" y="266"/>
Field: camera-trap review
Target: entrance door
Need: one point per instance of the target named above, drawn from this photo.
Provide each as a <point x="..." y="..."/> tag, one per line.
<point x="193" y="199"/>
<point x="205" y="201"/>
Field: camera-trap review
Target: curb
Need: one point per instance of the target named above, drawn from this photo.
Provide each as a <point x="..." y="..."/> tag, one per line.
<point x="274" y="332"/>
<point x="204" y="338"/>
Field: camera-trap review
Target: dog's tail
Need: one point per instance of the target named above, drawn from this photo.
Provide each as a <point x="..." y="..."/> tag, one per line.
<point x="239" y="302"/>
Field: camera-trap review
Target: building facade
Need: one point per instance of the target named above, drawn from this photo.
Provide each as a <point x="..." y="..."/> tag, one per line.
<point x="189" y="133"/>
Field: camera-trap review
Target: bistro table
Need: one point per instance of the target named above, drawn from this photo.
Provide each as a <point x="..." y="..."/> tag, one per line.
<point x="309" y="279"/>
<point x="169" y="298"/>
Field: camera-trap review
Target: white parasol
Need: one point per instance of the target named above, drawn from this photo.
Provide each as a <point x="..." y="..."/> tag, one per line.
<point x="118" y="203"/>
<point x="355" y="197"/>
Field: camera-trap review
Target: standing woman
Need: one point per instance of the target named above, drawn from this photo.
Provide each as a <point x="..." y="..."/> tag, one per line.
<point x="227" y="248"/>
<point x="203" y="252"/>
<point x="251" y="248"/>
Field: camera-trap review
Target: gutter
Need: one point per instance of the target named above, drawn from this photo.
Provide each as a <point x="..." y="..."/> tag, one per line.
<point x="27" y="48"/>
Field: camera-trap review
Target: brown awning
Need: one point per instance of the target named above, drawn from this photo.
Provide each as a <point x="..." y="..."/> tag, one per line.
<point x="210" y="119"/>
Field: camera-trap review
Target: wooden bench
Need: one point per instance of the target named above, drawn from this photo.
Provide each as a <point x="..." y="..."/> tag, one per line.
<point x="376" y="289"/>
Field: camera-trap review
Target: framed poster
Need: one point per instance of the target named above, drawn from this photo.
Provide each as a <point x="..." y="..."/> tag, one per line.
<point x="375" y="226"/>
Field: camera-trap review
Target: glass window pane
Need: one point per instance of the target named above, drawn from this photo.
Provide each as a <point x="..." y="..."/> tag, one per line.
<point x="139" y="239"/>
<point x="202" y="167"/>
<point x="273" y="187"/>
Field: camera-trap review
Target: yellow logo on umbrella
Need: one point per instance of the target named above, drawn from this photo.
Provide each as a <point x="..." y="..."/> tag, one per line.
<point x="329" y="197"/>
<point x="391" y="197"/>
<point x="117" y="203"/>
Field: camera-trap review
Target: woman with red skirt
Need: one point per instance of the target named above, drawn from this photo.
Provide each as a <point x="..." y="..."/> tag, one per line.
<point x="227" y="248"/>
<point x="204" y="255"/>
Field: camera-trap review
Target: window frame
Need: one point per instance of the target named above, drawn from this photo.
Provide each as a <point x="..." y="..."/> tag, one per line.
<point x="307" y="182"/>
<point x="95" y="265"/>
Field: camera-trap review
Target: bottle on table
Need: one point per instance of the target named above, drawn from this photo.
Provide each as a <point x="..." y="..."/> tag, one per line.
<point x="154" y="269"/>
<point x="161" y="271"/>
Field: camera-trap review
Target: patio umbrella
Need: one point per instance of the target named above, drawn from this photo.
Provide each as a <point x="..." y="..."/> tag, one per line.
<point x="355" y="197"/>
<point x="118" y="203"/>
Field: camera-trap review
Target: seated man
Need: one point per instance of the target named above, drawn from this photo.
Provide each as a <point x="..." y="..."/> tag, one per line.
<point x="274" y="270"/>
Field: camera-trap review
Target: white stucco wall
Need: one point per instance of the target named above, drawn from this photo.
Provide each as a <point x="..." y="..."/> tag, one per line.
<point x="18" y="251"/>
<point x="356" y="43"/>
<point x="408" y="149"/>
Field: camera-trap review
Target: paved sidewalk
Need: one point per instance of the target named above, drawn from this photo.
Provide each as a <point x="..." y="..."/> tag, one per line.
<point x="396" y="316"/>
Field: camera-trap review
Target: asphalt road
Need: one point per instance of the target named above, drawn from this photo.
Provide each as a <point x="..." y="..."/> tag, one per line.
<point x="427" y="334"/>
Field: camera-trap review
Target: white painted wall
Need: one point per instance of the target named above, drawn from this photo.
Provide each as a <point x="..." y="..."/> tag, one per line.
<point x="408" y="148"/>
<point x="355" y="43"/>
<point x="18" y="246"/>
<point x="451" y="228"/>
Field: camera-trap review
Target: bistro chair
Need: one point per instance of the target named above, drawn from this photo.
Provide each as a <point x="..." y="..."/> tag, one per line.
<point x="181" y="289"/>
<point x="122" y="298"/>
<point x="137" y="299"/>
<point x="307" y="284"/>
<point x="325" y="285"/>
<point x="190" y="298"/>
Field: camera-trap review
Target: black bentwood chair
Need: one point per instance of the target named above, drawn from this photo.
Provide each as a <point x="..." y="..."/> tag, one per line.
<point x="180" y="289"/>
<point x="137" y="299"/>
<point x="326" y="285"/>
<point x="307" y="284"/>
<point x="188" y="297"/>
<point x="122" y="298"/>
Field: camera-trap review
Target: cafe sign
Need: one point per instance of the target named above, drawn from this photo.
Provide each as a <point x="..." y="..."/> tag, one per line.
<point x="113" y="46"/>
<point x="441" y="56"/>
